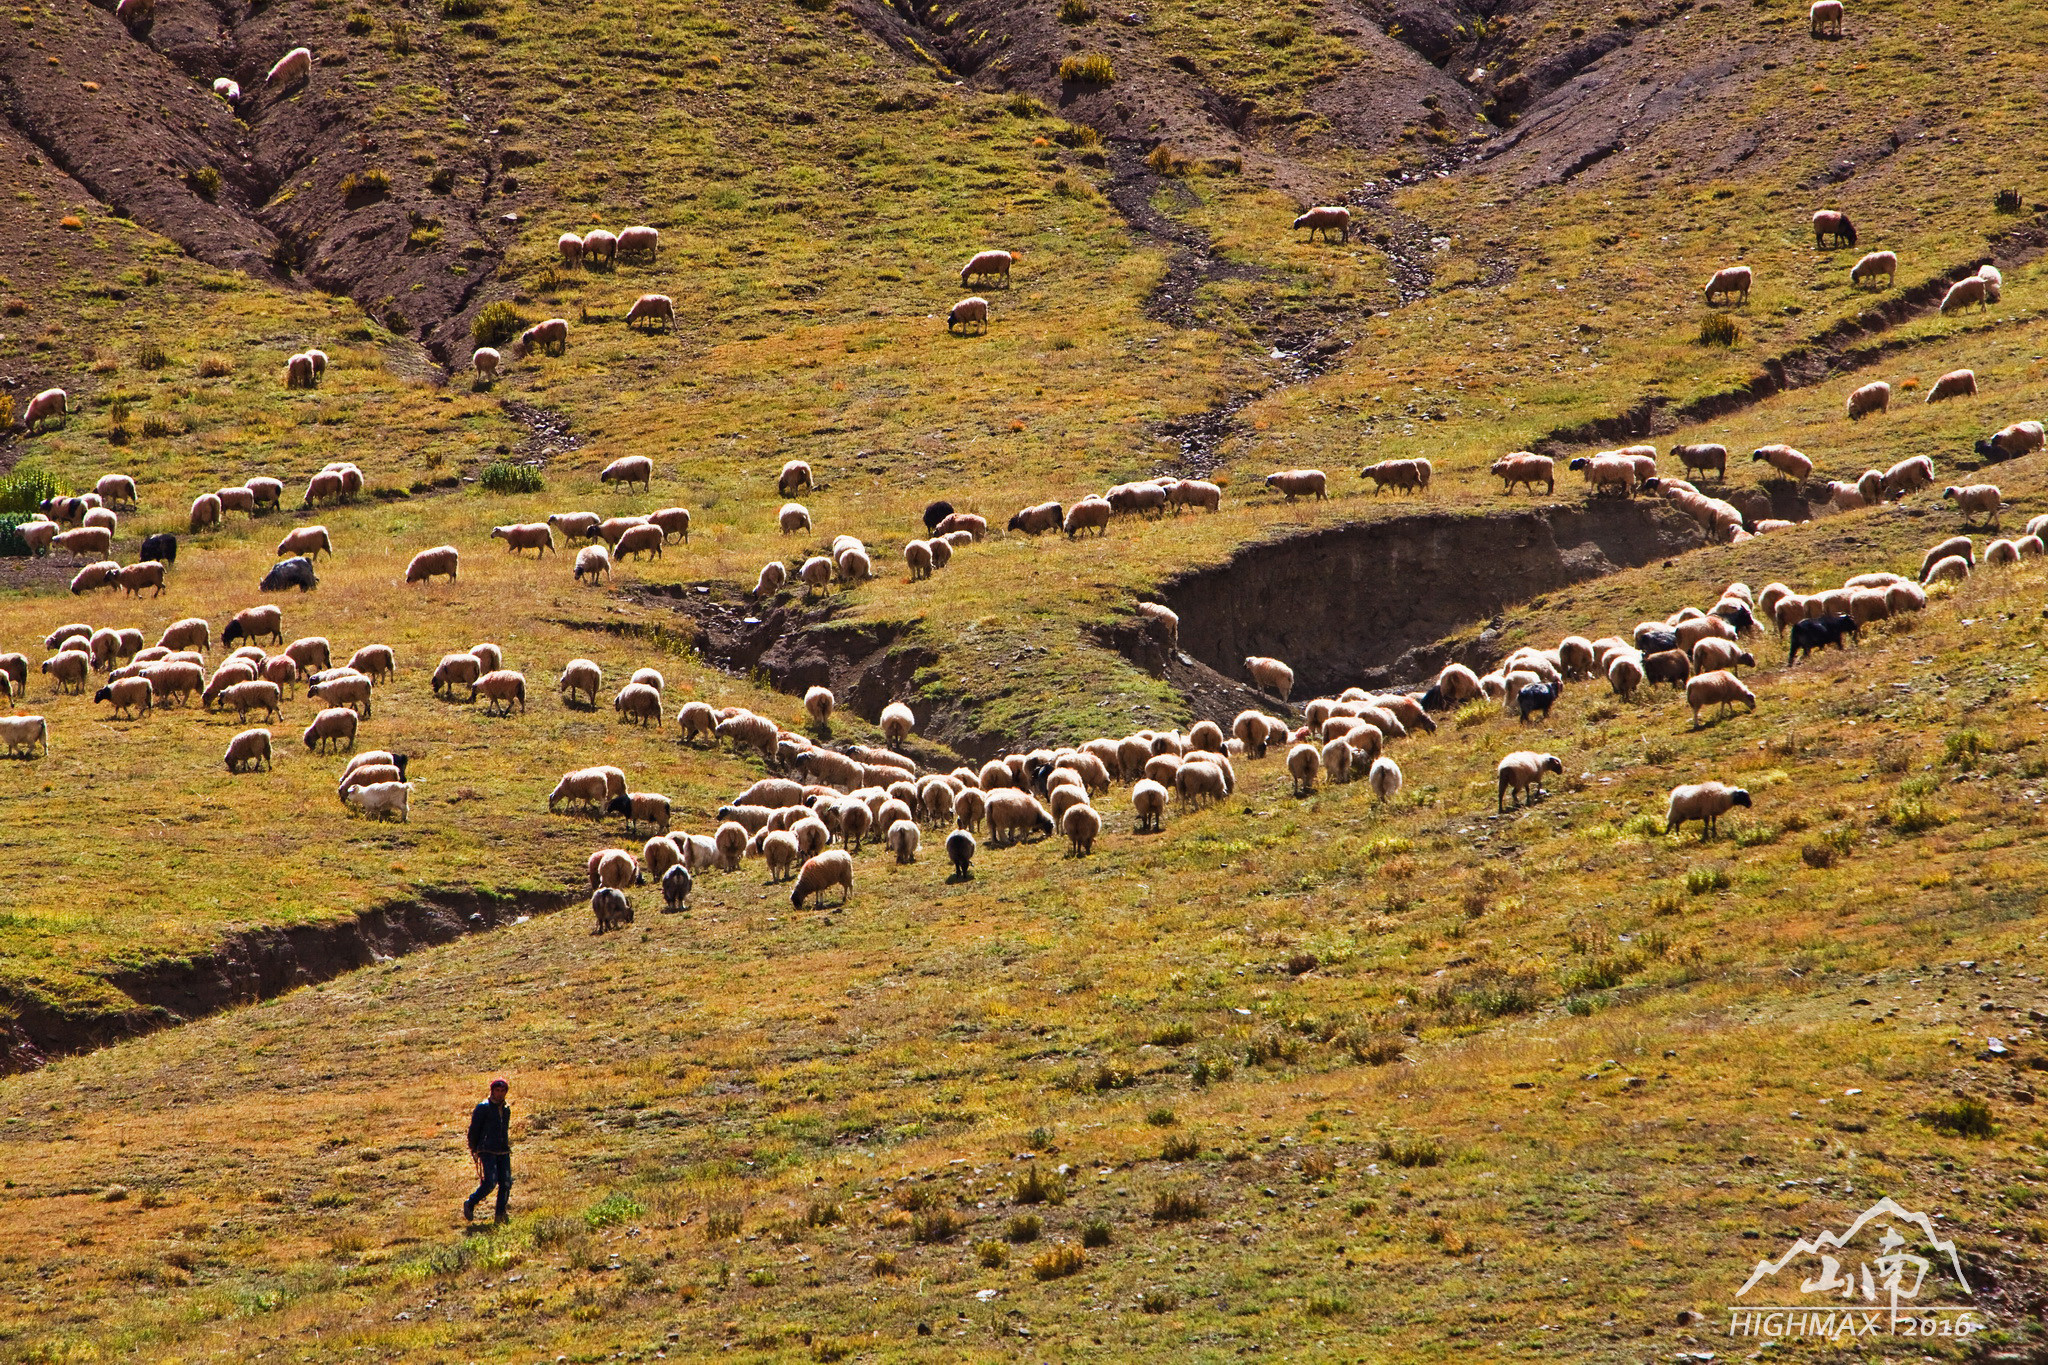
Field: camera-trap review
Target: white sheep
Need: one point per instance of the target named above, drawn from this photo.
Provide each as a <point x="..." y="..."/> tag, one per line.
<point x="295" y="65"/>
<point x="1705" y="802"/>
<point x="1525" y="467"/>
<point x="1824" y="18"/>
<point x="1954" y="384"/>
<point x="21" y="734"/>
<point x="1326" y="218"/>
<point x="988" y="265"/>
<point x="793" y="517"/>
<point x="1384" y="777"/>
<point x="819" y="874"/>
<point x="1730" y="281"/>
<point x="247" y="749"/>
<point x="1522" y="772"/>
<point x="442" y="559"/>
<point x="1720" y="688"/>
<point x="1784" y="459"/>
<point x="1296" y="482"/>
<point x="1976" y="499"/>
<point x="897" y="722"/>
<point x="1975" y="289"/>
<point x="1270" y="674"/>
<point x="638" y="238"/>
<point x="818" y="704"/>
<point x="971" y="309"/>
<point x="902" y="838"/>
<point x="331" y="726"/>
<point x="653" y="308"/>
<point x="1873" y="397"/>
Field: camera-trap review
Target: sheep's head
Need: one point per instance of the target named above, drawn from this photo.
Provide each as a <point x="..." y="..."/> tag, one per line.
<point x="1739" y="797"/>
<point x="1552" y="764"/>
<point x="619" y="805"/>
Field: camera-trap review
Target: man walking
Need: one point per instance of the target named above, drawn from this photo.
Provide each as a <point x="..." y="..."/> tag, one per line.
<point x="490" y="1143"/>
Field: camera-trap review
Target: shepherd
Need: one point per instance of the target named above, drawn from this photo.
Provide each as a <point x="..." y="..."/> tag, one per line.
<point x="490" y="1146"/>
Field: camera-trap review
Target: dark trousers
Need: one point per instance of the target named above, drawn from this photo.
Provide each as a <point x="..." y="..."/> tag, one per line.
<point x="498" y="1176"/>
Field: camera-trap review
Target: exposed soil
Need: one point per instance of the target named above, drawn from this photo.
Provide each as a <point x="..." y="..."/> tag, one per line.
<point x="1364" y="604"/>
<point x="549" y="432"/>
<point x="138" y="141"/>
<point x="256" y="965"/>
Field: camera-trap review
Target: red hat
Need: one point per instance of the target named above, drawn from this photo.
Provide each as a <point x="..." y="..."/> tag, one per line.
<point x="497" y="1081"/>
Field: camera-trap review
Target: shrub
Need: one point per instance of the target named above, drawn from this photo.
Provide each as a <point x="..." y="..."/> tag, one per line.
<point x="503" y="476"/>
<point x="401" y="40"/>
<point x="1178" y="1206"/>
<point x="723" y="1224"/>
<point x="2007" y="201"/>
<point x="1912" y="815"/>
<point x="370" y="183"/>
<point x="215" y="365"/>
<point x="1022" y="105"/>
<point x="992" y="1255"/>
<point x="12" y="546"/>
<point x="1025" y="1227"/>
<point x="360" y="22"/>
<point x="616" y="1207"/>
<point x="1318" y="1165"/>
<point x="1719" y="330"/>
<point x="936" y="1225"/>
<point x="1076" y="11"/>
<point x="1180" y="1147"/>
<point x="151" y="357"/>
<point x="1157" y="1301"/>
<point x="821" y="1214"/>
<point x="496" y="324"/>
<point x="1177" y="1034"/>
<point x="1033" y="1187"/>
<point x="1965" y="1118"/>
<point x="1473" y="713"/>
<point x="1091" y="68"/>
<point x="71" y="222"/>
<point x="1963" y="746"/>
<point x="762" y="1277"/>
<point x="1059" y="1262"/>
<point x="1095" y="1233"/>
<point x="1599" y="974"/>
<point x="205" y="182"/>
<point x="1326" y="1306"/>
<point x="1165" y="161"/>
<point x="1375" y="1049"/>
<point x="462" y="9"/>
<point x="1700" y="880"/>
<point x="828" y="1352"/>
<point x="1410" y="1152"/>
<point x="24" y="489"/>
<point x="1161" y="1117"/>
<point x="156" y="426"/>
<point x="885" y="1265"/>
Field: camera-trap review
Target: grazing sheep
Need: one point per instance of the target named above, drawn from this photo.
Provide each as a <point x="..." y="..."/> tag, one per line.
<point x="296" y="65"/>
<point x="347" y="689"/>
<point x="818" y="704"/>
<point x="254" y="694"/>
<point x="549" y="338"/>
<point x="1704" y="456"/>
<point x="970" y="806"/>
<point x="86" y="540"/>
<point x="653" y="308"/>
<point x="1384" y="777"/>
<point x="1625" y="674"/>
<point x="484" y="360"/>
<point x="116" y="490"/>
<point x="21" y="734"/>
<point x="105" y="574"/>
<point x="639" y="703"/>
<point x="1036" y="520"/>
<point x="1821" y="631"/>
<point x="960" y="848"/>
<point x="1535" y="697"/>
<point x="1195" y="493"/>
<point x="576" y="525"/>
<point x="988" y="265"/>
<point x="1200" y="782"/>
<point x="587" y="786"/>
<point x="1954" y="384"/>
<point x="975" y="525"/>
<point x="500" y="687"/>
<point x="299" y="372"/>
<point x="247" y="749"/>
<point x="973" y="308"/>
<point x="132" y="695"/>
<point x="1730" y="281"/>
<point x="629" y="470"/>
<point x="1976" y="289"/>
<point x="1845" y="497"/>
<point x="1522" y="771"/>
<point x="359" y="773"/>
<point x="1326" y="218"/>
<point x="311" y="653"/>
<point x="897" y="722"/>
<point x="610" y="908"/>
<point x="1954" y="569"/>
<point x="38" y="535"/>
<point x="381" y="800"/>
<point x="1875" y="397"/>
<point x="442" y="559"/>
<point x="642" y="539"/>
<point x="1127" y="498"/>
<point x="1270" y="675"/>
<point x="794" y="517"/>
<point x="1411" y="475"/>
<point x="1715" y="653"/>
<point x="1705" y="802"/>
<point x="1015" y="815"/>
<point x="1824" y="19"/>
<point x="902" y="838"/>
<point x="942" y="549"/>
<point x="1303" y="762"/>
<point x="375" y="662"/>
<point x="600" y="245"/>
<point x="1525" y="467"/>
<point x="773" y="576"/>
<point x="651" y="808"/>
<point x="1907" y="476"/>
<point x="2007" y="443"/>
<point x="752" y="731"/>
<point x="853" y="565"/>
<point x="1720" y="688"/>
<point x="676" y="885"/>
<point x="592" y="560"/>
<point x="1976" y="499"/>
<point x="1081" y="824"/>
<point x="526" y="536"/>
<point x="190" y="633"/>
<point x="1089" y="511"/>
<point x="227" y="90"/>
<point x="794" y="479"/>
<point x="1832" y="223"/>
<point x="2001" y="552"/>
<point x="1148" y="803"/>
<point x="296" y="572"/>
<point x="1296" y="482"/>
<point x="1336" y="759"/>
<point x="457" y="670"/>
<point x="326" y="484"/>
<point x="1885" y="263"/>
<point x="1783" y="458"/>
<point x="308" y="541"/>
<point x="819" y="874"/>
<point x="1672" y="666"/>
<point x="252" y="623"/>
<point x="331" y="727"/>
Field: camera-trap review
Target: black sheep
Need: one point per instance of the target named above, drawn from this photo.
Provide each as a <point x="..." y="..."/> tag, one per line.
<point x="960" y="848"/>
<point x="1667" y="666"/>
<point x="163" y="546"/>
<point x="936" y="513"/>
<point x="296" y="572"/>
<point x="1537" y="697"/>
<point x="1818" y="633"/>
<point x="1655" y="639"/>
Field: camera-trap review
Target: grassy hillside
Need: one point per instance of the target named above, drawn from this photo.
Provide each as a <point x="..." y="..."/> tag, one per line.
<point x="1301" y="1076"/>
